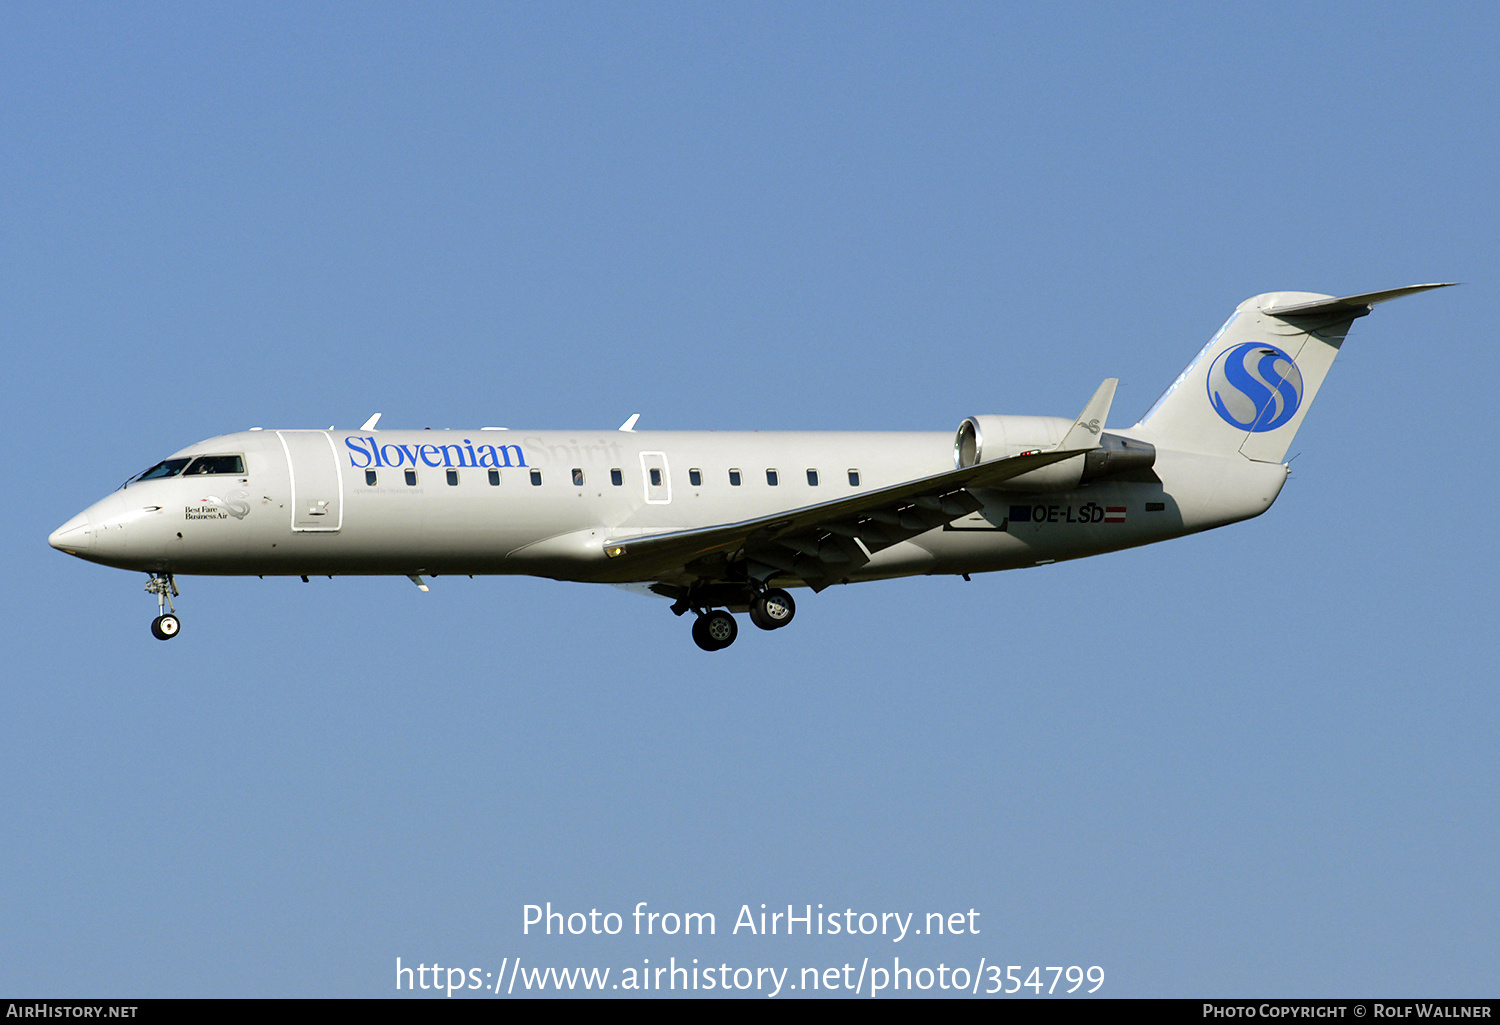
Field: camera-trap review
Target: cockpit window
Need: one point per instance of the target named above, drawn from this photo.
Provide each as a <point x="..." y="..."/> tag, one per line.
<point x="216" y="464"/>
<point x="165" y="468"/>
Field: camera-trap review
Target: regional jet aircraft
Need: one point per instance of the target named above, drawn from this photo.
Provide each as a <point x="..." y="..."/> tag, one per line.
<point x="720" y="523"/>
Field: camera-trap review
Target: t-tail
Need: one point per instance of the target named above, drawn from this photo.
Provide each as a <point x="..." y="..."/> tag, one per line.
<point x="1248" y="389"/>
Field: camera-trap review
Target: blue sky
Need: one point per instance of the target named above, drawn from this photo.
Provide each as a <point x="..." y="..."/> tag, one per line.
<point x="1257" y="761"/>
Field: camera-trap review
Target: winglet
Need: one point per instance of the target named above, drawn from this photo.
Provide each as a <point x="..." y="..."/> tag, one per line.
<point x="629" y="425"/>
<point x="370" y="423"/>
<point x="1085" y="432"/>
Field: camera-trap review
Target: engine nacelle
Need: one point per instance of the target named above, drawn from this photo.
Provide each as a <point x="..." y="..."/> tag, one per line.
<point x="983" y="439"/>
<point x="987" y="438"/>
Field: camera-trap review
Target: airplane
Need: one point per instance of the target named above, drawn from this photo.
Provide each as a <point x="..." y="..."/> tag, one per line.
<point x="726" y="522"/>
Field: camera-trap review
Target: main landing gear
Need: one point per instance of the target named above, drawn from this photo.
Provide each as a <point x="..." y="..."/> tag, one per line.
<point x="771" y="610"/>
<point x="166" y="625"/>
<point x="715" y="629"/>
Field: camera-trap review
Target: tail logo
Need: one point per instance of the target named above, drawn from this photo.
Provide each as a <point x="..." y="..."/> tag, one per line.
<point x="1255" y="387"/>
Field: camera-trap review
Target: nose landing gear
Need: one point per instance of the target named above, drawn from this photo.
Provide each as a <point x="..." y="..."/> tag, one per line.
<point x="166" y="625"/>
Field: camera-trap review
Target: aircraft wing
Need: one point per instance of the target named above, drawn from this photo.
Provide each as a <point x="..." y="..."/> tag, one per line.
<point x="823" y="543"/>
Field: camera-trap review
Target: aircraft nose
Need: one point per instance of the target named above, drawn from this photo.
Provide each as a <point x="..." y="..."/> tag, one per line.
<point x="77" y="535"/>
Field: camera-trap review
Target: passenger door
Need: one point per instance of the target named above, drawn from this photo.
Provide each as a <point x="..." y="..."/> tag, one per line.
<point x="317" y="487"/>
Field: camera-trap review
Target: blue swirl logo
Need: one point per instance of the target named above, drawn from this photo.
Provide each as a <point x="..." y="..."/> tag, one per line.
<point x="1255" y="387"/>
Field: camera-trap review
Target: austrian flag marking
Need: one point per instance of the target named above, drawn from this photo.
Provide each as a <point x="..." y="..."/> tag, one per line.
<point x="1114" y="514"/>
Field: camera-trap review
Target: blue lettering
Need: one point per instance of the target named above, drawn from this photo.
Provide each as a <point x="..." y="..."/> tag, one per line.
<point x="488" y="456"/>
<point x="448" y="455"/>
<point x="366" y="453"/>
<point x="356" y="446"/>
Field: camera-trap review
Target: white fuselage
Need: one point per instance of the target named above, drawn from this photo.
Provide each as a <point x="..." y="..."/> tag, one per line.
<point x="545" y="502"/>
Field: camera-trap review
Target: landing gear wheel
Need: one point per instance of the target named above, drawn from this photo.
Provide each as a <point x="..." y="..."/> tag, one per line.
<point x="772" y="610"/>
<point x="715" y="630"/>
<point x="166" y="624"/>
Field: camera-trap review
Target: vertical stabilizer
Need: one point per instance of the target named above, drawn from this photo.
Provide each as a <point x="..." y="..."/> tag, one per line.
<point x="1250" y="386"/>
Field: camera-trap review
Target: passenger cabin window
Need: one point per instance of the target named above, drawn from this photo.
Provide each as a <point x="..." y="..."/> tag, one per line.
<point x="734" y="478"/>
<point x="854" y="478"/>
<point x="577" y="477"/>
<point x="494" y="478"/>
<point x="370" y="478"/>
<point x="216" y="464"/>
<point x="616" y="477"/>
<point x="411" y="478"/>
<point x="655" y="477"/>
<point x="773" y="478"/>
<point x="812" y="478"/>
<point x="536" y="478"/>
<point x="452" y="477"/>
<point x="695" y="478"/>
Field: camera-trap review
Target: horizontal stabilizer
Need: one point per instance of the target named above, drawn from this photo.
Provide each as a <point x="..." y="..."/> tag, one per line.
<point x="1351" y="305"/>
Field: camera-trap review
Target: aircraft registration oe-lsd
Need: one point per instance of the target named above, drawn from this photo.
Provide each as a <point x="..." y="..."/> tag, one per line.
<point x="725" y="522"/>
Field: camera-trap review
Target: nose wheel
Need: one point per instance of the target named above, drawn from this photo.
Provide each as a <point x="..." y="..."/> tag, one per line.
<point x="166" y="625"/>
